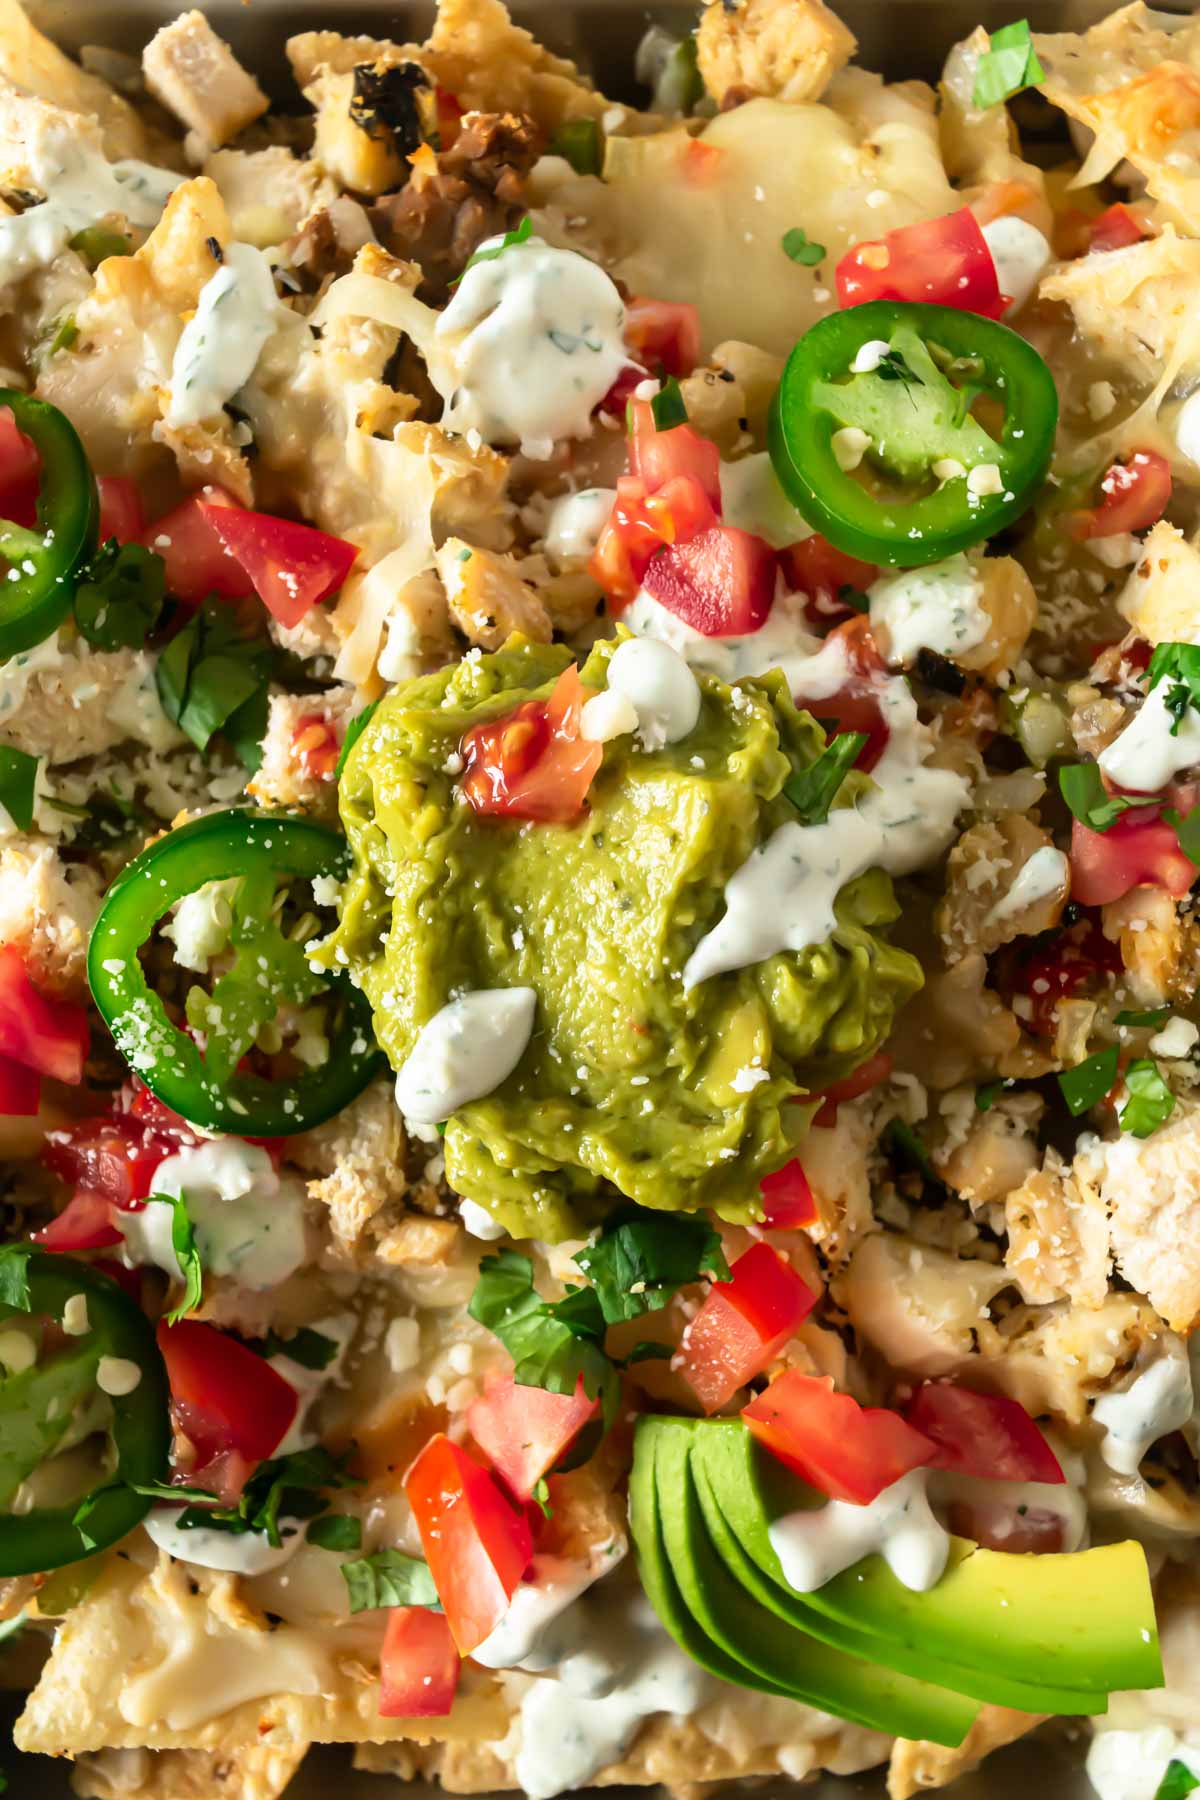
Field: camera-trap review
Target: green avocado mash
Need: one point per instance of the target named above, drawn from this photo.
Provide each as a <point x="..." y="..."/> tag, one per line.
<point x="627" y="1079"/>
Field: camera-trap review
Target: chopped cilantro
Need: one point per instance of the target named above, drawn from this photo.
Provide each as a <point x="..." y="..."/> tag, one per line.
<point x="1177" y="1782"/>
<point x="1009" y="64"/>
<point x="213" y="679"/>
<point x="520" y="234"/>
<point x="1150" y="1101"/>
<point x="812" y="791"/>
<point x="668" y="406"/>
<point x="183" y="1243"/>
<point x="987" y="1095"/>
<point x="388" y="1578"/>
<point x="903" y="1141"/>
<point x="18" y="773"/>
<point x="1187" y="830"/>
<point x="1089" y="800"/>
<point x="354" y="731"/>
<point x="797" y="245"/>
<point x="893" y="367"/>
<point x="335" y="1531"/>
<point x="642" y="1257"/>
<point x="553" y="1344"/>
<point x="119" y="599"/>
<point x="1180" y="664"/>
<point x="1089" y="1081"/>
<point x="1157" y="1015"/>
<point x="283" y="1487"/>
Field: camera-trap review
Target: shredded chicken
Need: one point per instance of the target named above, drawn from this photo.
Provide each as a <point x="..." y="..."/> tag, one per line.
<point x="787" y="49"/>
<point x="197" y="77"/>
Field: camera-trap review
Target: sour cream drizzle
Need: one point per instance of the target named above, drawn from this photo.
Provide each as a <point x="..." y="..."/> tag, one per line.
<point x="247" y="1218"/>
<point x="1047" y="872"/>
<point x="934" y="608"/>
<point x="464" y="1052"/>
<point x="814" y="1546"/>
<point x="237" y="311"/>
<point x="575" y="521"/>
<point x="1146" y="755"/>
<point x="236" y="1552"/>
<point x="529" y="345"/>
<point x="81" y="187"/>
<point x="1157" y="1401"/>
<point x="651" y="690"/>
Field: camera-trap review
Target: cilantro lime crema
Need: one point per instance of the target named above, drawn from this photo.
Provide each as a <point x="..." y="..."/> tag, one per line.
<point x="677" y="1097"/>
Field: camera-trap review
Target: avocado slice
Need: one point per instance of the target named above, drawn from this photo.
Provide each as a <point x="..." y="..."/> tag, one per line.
<point x="763" y="1643"/>
<point x="654" y="1568"/>
<point x="1088" y="1616"/>
<point x="979" y="1684"/>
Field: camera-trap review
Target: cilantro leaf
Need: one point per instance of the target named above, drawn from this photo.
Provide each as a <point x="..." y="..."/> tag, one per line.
<point x="987" y="1095"/>
<point x="797" y="245"/>
<point x="812" y="791"/>
<point x="1088" y="1081"/>
<point x="284" y="1487"/>
<point x="335" y="1531"/>
<point x="668" y="406"/>
<point x="1150" y="1101"/>
<point x="1179" y="664"/>
<point x="552" y="1345"/>
<point x="520" y="234"/>
<point x="211" y="678"/>
<point x="311" y="1349"/>
<point x="18" y="773"/>
<point x="579" y="142"/>
<point x="1008" y="65"/>
<point x="119" y="600"/>
<point x="642" y="1257"/>
<point x="907" y="1146"/>
<point x="1187" y="830"/>
<point x="1177" y="1782"/>
<point x="183" y="1243"/>
<point x="14" y="1275"/>
<point x="1090" y="802"/>
<point x="388" y="1578"/>
<point x="1157" y="1015"/>
<point x="893" y="367"/>
<point x="354" y="731"/>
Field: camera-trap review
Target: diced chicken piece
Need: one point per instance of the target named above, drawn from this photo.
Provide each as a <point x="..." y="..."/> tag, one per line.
<point x="31" y="62"/>
<point x="1057" y="1238"/>
<point x="356" y="1162"/>
<point x="836" y="1164"/>
<point x="1151" y="1188"/>
<point x="1157" y="949"/>
<point x="197" y="77"/>
<point x="66" y="702"/>
<point x="956" y="1030"/>
<point x="1161" y="598"/>
<point x="47" y="910"/>
<point x="787" y="49"/>
<point x="419" y="1242"/>
<point x="300" y="750"/>
<point x="998" y="1152"/>
<point x="1011" y="606"/>
<point x="920" y="1308"/>
<point x="490" y="64"/>
<point x="732" y="393"/>
<point x="488" y="599"/>
<point x="1133" y="305"/>
<point x="268" y="194"/>
<point x="917" y="1767"/>
<point x="985" y="904"/>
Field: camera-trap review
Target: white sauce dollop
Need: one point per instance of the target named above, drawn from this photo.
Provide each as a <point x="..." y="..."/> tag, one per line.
<point x="1157" y="1401"/>
<point x="523" y="1639"/>
<point x="1020" y="253"/>
<point x="575" y="521"/>
<point x="1146" y="756"/>
<point x="898" y="1525"/>
<point x="782" y="897"/>
<point x="236" y="313"/>
<point x="528" y="346"/>
<point x="783" y="642"/>
<point x="934" y="608"/>
<point x="236" y="1553"/>
<point x="464" y="1052"/>
<point x="81" y="187"/>
<point x="1047" y="872"/>
<point x="1130" y="1765"/>
<point x="660" y="696"/>
<point x="478" y="1222"/>
<point x="752" y="500"/>
<point x="247" y="1218"/>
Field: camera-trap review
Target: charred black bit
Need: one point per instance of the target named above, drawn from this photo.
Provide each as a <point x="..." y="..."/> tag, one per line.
<point x="214" y="249"/>
<point x="385" y="103"/>
<point x="939" y="672"/>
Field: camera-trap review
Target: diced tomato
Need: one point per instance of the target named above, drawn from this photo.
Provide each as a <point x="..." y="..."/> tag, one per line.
<point x="1077" y="958"/>
<point x="721" y="583"/>
<point x="742" y="1325"/>
<point x="476" y="1544"/>
<point x="50" y="1036"/>
<point x="857" y="704"/>
<point x="121" y="514"/>
<point x="114" y="1157"/>
<point x="701" y="162"/>
<point x="20" y="474"/>
<point x="198" y="564"/>
<point x="943" y="261"/>
<point x="1139" y="848"/>
<point x="663" y="335"/>
<point x="658" y="456"/>
<point x="619" y="395"/>
<point x="845" y="1450"/>
<point x="524" y="1430"/>
<point x="1133" y="496"/>
<point x="815" y="568"/>
<point x="292" y="567"/>
<point x="316" y="746"/>
<point x="85" y="1223"/>
<point x="787" y="1198"/>
<point x="156" y="1115"/>
<point x="449" y="118"/>
<point x="640" y="524"/>
<point x="876" y="1069"/>
<point x="234" y="1400"/>
<point x="533" y="763"/>
<point x="1116" y="228"/>
<point x="981" y="1434"/>
<point x="418" y="1666"/>
<point x="20" y="1090"/>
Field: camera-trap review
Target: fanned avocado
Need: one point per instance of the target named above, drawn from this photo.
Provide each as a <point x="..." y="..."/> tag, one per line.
<point x="763" y="1644"/>
<point x="1087" y="1617"/>
<point x="980" y="1684"/>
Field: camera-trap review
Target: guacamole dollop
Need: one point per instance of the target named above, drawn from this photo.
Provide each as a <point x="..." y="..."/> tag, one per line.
<point x="630" y="1085"/>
